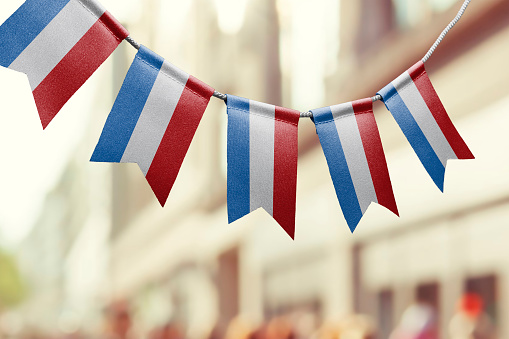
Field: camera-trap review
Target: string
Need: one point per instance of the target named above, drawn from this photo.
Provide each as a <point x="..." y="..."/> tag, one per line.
<point x="377" y="97"/>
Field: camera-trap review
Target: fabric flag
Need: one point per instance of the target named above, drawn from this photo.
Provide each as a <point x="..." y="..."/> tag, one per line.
<point x="415" y="105"/>
<point x="353" y="149"/>
<point x="153" y="120"/>
<point x="262" y="160"/>
<point x="59" y="44"/>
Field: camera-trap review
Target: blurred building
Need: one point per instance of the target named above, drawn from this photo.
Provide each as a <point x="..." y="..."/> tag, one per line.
<point x="102" y="237"/>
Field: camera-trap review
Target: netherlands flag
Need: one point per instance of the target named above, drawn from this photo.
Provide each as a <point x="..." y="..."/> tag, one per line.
<point x="153" y="120"/>
<point x="415" y="105"/>
<point x="59" y="44"/>
<point x="353" y="149"/>
<point x="262" y="160"/>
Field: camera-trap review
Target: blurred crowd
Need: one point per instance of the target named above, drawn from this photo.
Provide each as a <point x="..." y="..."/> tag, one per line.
<point x="419" y="321"/>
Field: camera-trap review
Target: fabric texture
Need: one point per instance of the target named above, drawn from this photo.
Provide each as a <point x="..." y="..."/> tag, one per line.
<point x="262" y="160"/>
<point x="417" y="109"/>
<point x="352" y="146"/>
<point x="154" y="120"/>
<point x="58" y="44"/>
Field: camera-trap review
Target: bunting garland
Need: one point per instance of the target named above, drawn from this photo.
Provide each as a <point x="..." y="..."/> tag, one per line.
<point x="60" y="43"/>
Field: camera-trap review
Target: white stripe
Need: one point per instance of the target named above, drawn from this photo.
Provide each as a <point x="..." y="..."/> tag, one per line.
<point x="154" y="118"/>
<point x="94" y="7"/>
<point x="413" y="99"/>
<point x="261" y="152"/>
<point x="350" y="137"/>
<point x="55" y="41"/>
<point x="175" y="73"/>
<point x="341" y="110"/>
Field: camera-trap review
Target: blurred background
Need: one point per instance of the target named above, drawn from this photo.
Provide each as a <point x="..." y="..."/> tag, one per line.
<point x="87" y="252"/>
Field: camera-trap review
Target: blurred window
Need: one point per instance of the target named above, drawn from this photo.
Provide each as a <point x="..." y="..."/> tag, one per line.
<point x="486" y="288"/>
<point x="377" y="20"/>
<point x="311" y="307"/>
<point x="429" y="294"/>
<point x="385" y="313"/>
<point x="228" y="286"/>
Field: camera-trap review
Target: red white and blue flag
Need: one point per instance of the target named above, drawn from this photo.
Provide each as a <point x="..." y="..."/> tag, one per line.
<point x="262" y="160"/>
<point x="59" y="44"/>
<point x="153" y="120"/>
<point x="352" y="146"/>
<point x="415" y="105"/>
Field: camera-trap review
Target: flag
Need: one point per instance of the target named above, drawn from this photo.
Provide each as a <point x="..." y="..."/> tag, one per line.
<point x="415" y="105"/>
<point x="153" y="120"/>
<point x="262" y="160"/>
<point x="59" y="44"/>
<point x="352" y="146"/>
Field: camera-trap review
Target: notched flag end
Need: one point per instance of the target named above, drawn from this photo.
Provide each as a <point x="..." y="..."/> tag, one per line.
<point x="262" y="160"/>
<point x="287" y="225"/>
<point x="416" y="107"/>
<point x="353" y="148"/>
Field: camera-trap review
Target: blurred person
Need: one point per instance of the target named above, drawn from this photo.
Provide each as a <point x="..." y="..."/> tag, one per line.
<point x="280" y="328"/>
<point x="118" y="321"/>
<point x="419" y="321"/>
<point x="75" y="335"/>
<point x="351" y="327"/>
<point x="357" y="327"/>
<point x="470" y="320"/>
<point x="168" y="331"/>
<point x="239" y="328"/>
<point x="171" y="331"/>
<point x="329" y="330"/>
<point x="259" y="333"/>
<point x="305" y="323"/>
<point x="215" y="333"/>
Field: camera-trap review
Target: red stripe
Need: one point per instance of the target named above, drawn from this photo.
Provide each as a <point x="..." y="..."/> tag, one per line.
<point x="286" y="149"/>
<point x="77" y="66"/>
<point x="375" y="153"/>
<point x="423" y="83"/>
<point x="178" y="136"/>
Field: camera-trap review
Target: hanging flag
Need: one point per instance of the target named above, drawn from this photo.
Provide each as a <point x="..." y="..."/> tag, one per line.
<point x="59" y="44"/>
<point x="153" y="120"/>
<point x="353" y="149"/>
<point x="415" y="105"/>
<point x="262" y="160"/>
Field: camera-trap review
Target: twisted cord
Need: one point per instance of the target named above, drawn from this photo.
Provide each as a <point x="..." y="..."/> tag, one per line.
<point x="219" y="95"/>
<point x="133" y="42"/>
<point x="377" y="97"/>
<point x="307" y="114"/>
<point x="446" y="30"/>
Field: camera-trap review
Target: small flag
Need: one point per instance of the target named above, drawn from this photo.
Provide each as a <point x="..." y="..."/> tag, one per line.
<point x="351" y="143"/>
<point x="415" y="105"/>
<point x="59" y="44"/>
<point x="262" y="160"/>
<point x="153" y="120"/>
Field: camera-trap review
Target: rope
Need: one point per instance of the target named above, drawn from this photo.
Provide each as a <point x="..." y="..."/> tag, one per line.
<point x="446" y="30"/>
<point x="133" y="42"/>
<point x="440" y="38"/>
<point x="377" y="97"/>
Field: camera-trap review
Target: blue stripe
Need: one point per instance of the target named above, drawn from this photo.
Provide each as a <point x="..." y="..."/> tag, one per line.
<point x="338" y="167"/>
<point x="21" y="28"/>
<point x="128" y="106"/>
<point x="238" y="158"/>
<point x="414" y="135"/>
